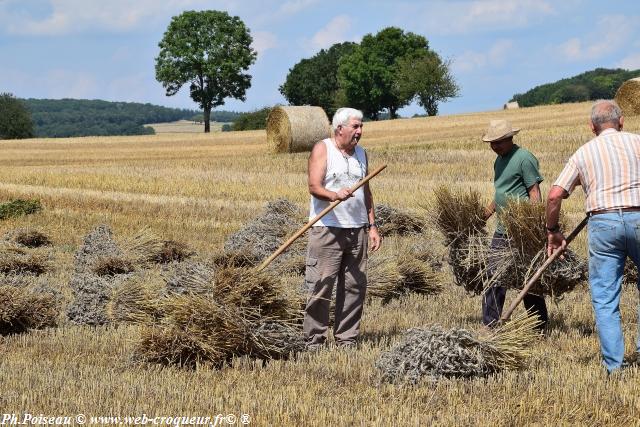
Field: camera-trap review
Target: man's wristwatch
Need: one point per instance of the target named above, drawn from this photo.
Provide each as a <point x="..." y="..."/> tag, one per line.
<point x="554" y="229"/>
<point x="373" y="224"/>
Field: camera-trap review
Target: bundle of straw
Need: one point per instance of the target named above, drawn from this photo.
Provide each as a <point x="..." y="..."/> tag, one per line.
<point x="135" y="301"/>
<point x="395" y="271"/>
<point x="460" y="219"/>
<point x="263" y="235"/>
<point x="458" y="215"/>
<point x="195" y="331"/>
<point x="526" y="252"/>
<point x="112" y="266"/>
<point x="199" y="330"/>
<point x="27" y="237"/>
<point x="628" y="97"/>
<point x="239" y="286"/>
<point x="435" y="353"/>
<point x="146" y="247"/>
<point x="15" y="260"/>
<point x="396" y="221"/>
<point x="296" y="129"/>
<point x="22" y="309"/>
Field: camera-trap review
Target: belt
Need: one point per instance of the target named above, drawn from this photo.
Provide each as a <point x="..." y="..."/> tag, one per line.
<point x="617" y="210"/>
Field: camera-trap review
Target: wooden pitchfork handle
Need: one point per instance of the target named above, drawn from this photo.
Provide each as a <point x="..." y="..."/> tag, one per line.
<point x="326" y="210"/>
<point x="505" y="316"/>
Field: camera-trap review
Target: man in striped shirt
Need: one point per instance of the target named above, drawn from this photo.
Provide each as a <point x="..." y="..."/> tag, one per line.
<point x="608" y="168"/>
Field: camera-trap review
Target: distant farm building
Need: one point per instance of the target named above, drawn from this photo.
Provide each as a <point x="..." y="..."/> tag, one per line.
<point x="511" y="105"/>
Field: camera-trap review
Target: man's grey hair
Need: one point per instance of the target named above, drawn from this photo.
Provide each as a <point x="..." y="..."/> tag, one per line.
<point x="605" y="111"/>
<point x="343" y="115"/>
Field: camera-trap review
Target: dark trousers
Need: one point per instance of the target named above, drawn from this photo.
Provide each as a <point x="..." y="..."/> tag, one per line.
<point x="493" y="298"/>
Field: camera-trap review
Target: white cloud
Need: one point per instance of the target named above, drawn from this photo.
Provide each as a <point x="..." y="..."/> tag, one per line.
<point x="76" y="16"/>
<point x="496" y="56"/>
<point x="611" y="34"/>
<point x="294" y="6"/>
<point x="631" y="62"/>
<point x="263" y="41"/>
<point x="336" y="31"/>
<point x="447" y="17"/>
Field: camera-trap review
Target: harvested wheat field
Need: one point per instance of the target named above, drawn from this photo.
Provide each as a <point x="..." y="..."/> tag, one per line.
<point x="188" y="194"/>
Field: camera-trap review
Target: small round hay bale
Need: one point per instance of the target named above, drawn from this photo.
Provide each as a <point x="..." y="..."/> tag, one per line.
<point x="628" y="97"/>
<point x="296" y="129"/>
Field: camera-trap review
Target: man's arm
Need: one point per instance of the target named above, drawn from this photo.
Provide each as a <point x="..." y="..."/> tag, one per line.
<point x="489" y="210"/>
<point x="374" y="234"/>
<point x="317" y="169"/>
<point x="555" y="238"/>
<point x="534" y="193"/>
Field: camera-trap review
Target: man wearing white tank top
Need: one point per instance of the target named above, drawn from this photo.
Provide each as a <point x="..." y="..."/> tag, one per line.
<point x="337" y="252"/>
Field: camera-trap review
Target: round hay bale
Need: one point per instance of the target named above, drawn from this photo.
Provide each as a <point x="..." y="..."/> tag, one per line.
<point x="296" y="129"/>
<point x="628" y="97"/>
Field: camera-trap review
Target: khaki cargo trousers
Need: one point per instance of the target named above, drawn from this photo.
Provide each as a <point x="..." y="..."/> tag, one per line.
<point x="335" y="256"/>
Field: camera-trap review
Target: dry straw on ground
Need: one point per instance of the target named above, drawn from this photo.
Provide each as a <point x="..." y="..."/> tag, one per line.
<point x="295" y="129"/>
<point x="433" y="353"/>
<point x="628" y="97"/>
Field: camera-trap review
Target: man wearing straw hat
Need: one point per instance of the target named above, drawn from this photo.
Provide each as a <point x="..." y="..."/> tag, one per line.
<point x="337" y="252"/>
<point x="608" y="168"/>
<point x="516" y="176"/>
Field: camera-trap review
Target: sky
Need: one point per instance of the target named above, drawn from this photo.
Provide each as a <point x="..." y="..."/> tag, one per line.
<point x="96" y="49"/>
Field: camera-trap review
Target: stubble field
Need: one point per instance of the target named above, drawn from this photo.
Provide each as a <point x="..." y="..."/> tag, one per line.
<point x="198" y="189"/>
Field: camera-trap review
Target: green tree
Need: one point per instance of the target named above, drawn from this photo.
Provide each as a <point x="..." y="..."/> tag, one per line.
<point x="314" y="81"/>
<point x="426" y="78"/>
<point x="367" y="75"/>
<point x="209" y="50"/>
<point x="253" y="120"/>
<point x="15" y="118"/>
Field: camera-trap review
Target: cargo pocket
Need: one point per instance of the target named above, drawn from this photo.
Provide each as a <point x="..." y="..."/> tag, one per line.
<point x="311" y="273"/>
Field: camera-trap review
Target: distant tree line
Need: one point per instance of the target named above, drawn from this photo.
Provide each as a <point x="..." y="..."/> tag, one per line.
<point x="81" y="117"/>
<point x="601" y="83"/>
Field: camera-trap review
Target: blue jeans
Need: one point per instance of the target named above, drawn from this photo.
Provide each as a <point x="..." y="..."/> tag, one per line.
<point x="612" y="237"/>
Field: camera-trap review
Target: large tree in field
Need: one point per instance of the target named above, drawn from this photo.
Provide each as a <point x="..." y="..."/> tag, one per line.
<point x="367" y="75"/>
<point x="209" y="50"/>
<point x="15" y="118"/>
<point x="427" y="78"/>
<point x="314" y="81"/>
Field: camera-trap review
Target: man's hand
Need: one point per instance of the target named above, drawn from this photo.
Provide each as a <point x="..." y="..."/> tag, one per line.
<point x="343" y="194"/>
<point x="374" y="239"/>
<point x="555" y="242"/>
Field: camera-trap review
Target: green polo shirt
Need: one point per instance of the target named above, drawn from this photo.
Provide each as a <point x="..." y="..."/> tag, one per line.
<point x="515" y="172"/>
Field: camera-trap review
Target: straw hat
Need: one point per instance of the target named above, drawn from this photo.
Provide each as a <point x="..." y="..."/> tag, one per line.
<point x="499" y="129"/>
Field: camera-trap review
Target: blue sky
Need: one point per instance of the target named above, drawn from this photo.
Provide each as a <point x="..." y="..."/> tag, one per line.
<point x="107" y="49"/>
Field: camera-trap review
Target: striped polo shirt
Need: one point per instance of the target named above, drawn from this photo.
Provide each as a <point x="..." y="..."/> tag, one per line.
<point x="608" y="168"/>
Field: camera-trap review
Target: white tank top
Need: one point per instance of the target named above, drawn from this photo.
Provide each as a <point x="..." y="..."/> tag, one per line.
<point x="342" y="172"/>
